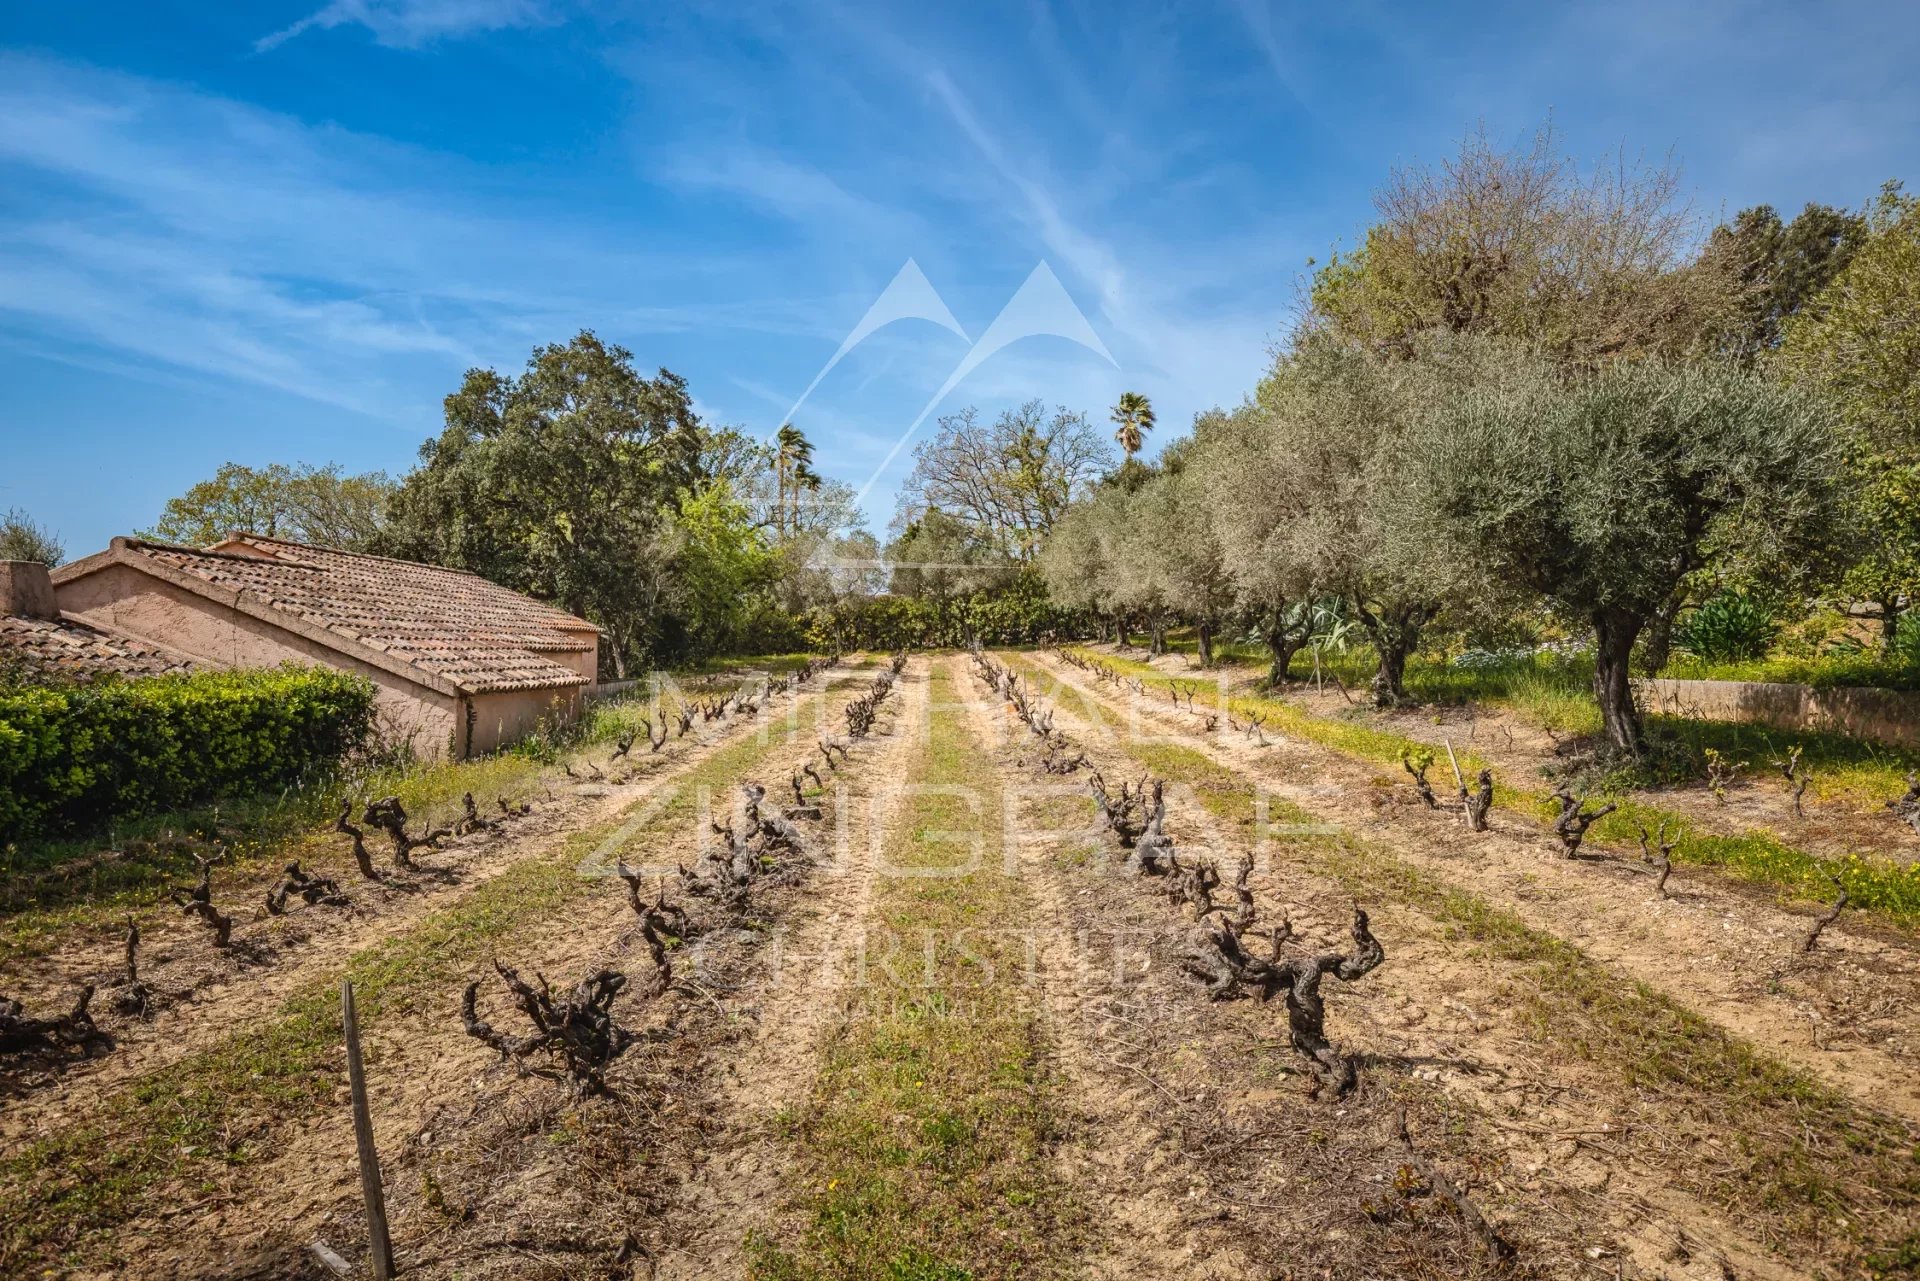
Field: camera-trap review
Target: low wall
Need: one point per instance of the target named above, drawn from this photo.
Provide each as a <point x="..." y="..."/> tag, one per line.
<point x="1890" y="715"/>
<point x="611" y="689"/>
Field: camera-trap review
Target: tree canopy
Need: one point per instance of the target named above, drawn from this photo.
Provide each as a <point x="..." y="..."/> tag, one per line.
<point x="325" y="506"/>
<point x="1010" y="480"/>
<point x="1519" y="243"/>
<point x="562" y="482"/>
<point x="1601" y="493"/>
<point x="23" y="538"/>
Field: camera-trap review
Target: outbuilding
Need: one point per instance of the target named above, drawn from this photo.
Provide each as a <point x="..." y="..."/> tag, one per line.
<point x="462" y="665"/>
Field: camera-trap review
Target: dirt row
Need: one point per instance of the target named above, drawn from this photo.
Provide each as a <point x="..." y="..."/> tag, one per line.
<point x="254" y="1217"/>
<point x="1190" y="1140"/>
<point x="199" y="993"/>
<point x="1724" y="949"/>
<point x="501" y="1176"/>
<point x="1583" y="1169"/>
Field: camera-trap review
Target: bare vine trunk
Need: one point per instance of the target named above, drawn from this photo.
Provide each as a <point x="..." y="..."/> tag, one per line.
<point x="1614" y="631"/>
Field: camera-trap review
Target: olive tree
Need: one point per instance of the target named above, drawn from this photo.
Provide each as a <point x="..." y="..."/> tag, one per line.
<point x="1251" y="523"/>
<point x="1304" y="487"/>
<point x="1600" y="492"/>
<point x="1175" y="550"/>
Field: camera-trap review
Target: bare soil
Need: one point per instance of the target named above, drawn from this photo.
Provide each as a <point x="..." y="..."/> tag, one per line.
<point x="1191" y="1135"/>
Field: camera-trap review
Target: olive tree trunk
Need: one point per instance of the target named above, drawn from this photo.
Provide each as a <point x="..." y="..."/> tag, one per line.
<point x="1889" y="622"/>
<point x="1656" y="647"/>
<point x="1205" y="629"/>
<point x="1395" y="633"/>
<point x="1614" y="631"/>
<point x="1283" y="648"/>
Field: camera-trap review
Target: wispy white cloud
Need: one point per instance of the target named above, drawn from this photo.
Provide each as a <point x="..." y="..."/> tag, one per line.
<point x="169" y="228"/>
<point x="409" y="24"/>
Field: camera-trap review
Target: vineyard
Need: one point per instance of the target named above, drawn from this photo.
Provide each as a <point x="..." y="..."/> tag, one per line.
<point x="984" y="964"/>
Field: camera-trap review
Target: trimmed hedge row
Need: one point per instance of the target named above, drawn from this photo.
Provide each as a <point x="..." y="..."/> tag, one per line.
<point x="1014" y="612"/>
<point x="75" y="758"/>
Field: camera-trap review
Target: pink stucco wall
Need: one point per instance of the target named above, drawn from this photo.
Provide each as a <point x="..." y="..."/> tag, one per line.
<point x="510" y="715"/>
<point x="120" y="598"/>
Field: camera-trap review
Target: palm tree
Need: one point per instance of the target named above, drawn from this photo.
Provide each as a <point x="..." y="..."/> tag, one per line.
<point x="1134" y="413"/>
<point x="793" y="473"/>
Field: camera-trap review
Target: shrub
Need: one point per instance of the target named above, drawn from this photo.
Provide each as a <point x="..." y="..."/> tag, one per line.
<point x="80" y="757"/>
<point x="1906" y="641"/>
<point x="1728" y="628"/>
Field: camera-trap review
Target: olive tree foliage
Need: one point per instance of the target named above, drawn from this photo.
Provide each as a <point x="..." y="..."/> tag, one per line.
<point x="1171" y="545"/>
<point x="1519" y="243"/>
<point x="1858" y="343"/>
<point x="1300" y="483"/>
<point x="1236" y="458"/>
<point x="1012" y="479"/>
<point x="1078" y="562"/>
<point x="1601" y="492"/>
<point x="23" y="538"/>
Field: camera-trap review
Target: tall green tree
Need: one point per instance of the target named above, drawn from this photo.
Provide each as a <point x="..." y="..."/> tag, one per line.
<point x="325" y="506"/>
<point x="1780" y="267"/>
<point x="563" y="482"/>
<point x="721" y="564"/>
<point x="1133" y="416"/>
<point x="1858" y="343"/>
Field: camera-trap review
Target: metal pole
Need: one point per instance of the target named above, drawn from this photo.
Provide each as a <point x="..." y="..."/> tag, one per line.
<point x="380" y="1246"/>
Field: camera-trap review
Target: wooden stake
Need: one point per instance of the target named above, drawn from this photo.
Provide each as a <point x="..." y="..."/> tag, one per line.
<point x="379" y="1245"/>
<point x="1460" y="780"/>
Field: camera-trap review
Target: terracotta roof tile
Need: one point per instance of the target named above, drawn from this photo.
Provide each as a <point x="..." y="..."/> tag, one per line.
<point x="65" y="649"/>
<point x="474" y="633"/>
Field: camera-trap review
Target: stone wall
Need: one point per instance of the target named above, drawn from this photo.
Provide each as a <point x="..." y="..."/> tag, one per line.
<point x="1889" y="715"/>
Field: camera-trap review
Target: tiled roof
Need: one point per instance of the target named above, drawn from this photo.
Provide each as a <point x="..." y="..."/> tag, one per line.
<point x="67" y="650"/>
<point x="475" y="634"/>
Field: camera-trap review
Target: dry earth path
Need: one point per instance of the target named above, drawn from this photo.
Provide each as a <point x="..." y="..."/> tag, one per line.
<point x="220" y="1158"/>
<point x="1576" y="1127"/>
<point x="1846" y="1011"/>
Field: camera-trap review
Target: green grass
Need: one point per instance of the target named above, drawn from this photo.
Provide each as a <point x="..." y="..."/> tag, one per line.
<point x="68" y="1191"/>
<point x="1827" y="671"/>
<point x="49" y="889"/>
<point x="1803" y="1157"/>
<point x="924" y="1150"/>
<point x="1888" y="889"/>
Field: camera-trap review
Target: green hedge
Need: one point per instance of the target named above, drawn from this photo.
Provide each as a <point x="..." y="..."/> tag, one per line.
<point x="76" y="758"/>
<point x="1014" y="612"/>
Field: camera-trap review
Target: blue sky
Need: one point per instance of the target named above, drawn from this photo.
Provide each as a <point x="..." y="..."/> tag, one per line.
<point x="281" y="231"/>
